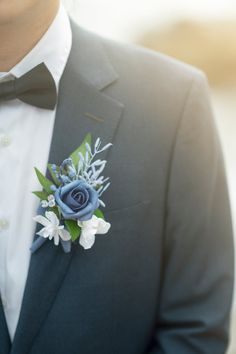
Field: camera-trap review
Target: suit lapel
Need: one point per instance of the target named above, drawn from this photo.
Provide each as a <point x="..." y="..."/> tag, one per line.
<point x="82" y="108"/>
<point x="5" y="343"/>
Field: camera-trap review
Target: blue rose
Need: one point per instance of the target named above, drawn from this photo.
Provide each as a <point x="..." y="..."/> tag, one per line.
<point x="77" y="200"/>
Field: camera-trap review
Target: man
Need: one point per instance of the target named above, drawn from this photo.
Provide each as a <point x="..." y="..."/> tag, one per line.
<point x="160" y="282"/>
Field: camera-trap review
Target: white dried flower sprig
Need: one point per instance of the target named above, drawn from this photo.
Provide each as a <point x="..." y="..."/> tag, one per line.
<point x="90" y="170"/>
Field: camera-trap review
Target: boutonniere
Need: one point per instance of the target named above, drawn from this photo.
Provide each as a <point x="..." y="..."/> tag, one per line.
<point x="71" y="199"/>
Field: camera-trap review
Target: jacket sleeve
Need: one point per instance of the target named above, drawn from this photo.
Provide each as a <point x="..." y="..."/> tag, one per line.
<point x="197" y="281"/>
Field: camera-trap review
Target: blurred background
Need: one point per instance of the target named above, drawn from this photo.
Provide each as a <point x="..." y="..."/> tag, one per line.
<point x="202" y="33"/>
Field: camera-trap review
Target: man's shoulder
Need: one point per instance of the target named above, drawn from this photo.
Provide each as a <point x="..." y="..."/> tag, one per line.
<point x="142" y="58"/>
<point x="146" y="82"/>
<point x="133" y="59"/>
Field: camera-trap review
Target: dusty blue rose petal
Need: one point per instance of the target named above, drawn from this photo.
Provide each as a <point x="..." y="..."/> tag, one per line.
<point x="68" y="187"/>
<point x="77" y="200"/>
<point x="63" y="206"/>
<point x="73" y="201"/>
<point x="87" y="213"/>
<point x="93" y="197"/>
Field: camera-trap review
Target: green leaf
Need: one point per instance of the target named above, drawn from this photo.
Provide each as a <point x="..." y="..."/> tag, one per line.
<point x="55" y="180"/>
<point x="99" y="214"/>
<point x="44" y="181"/>
<point x="82" y="148"/>
<point x="73" y="229"/>
<point x="41" y="195"/>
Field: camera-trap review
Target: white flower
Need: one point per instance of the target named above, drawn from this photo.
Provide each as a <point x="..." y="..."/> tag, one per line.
<point x="51" y="203"/>
<point x="52" y="228"/>
<point x="90" y="228"/>
<point x="51" y="197"/>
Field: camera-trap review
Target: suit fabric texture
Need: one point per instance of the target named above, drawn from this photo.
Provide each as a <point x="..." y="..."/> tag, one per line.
<point x="160" y="282"/>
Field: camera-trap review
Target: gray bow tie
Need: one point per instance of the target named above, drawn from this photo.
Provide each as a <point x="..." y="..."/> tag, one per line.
<point x="36" y="87"/>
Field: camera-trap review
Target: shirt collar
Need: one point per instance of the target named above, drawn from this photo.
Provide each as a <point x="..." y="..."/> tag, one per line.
<point x="53" y="49"/>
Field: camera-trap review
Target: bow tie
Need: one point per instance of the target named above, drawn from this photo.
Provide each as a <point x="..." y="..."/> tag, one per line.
<point x="36" y="87"/>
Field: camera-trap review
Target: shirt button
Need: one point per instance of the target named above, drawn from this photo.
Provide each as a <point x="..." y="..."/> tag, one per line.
<point x="5" y="140"/>
<point x="4" y="224"/>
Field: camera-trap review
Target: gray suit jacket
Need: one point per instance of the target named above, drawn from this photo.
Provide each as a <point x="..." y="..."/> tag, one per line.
<point x="161" y="281"/>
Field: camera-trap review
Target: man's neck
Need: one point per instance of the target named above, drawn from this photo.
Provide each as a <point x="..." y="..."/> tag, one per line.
<point x="17" y="39"/>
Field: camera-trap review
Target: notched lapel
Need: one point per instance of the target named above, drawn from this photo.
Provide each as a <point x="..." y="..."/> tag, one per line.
<point x="81" y="103"/>
<point x="82" y="108"/>
<point x="87" y="110"/>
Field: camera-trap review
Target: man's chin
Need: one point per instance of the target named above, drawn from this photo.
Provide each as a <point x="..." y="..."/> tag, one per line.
<point x="8" y="15"/>
<point x="21" y="11"/>
<point x="15" y="11"/>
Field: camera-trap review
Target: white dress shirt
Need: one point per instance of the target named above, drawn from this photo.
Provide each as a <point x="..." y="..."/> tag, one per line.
<point x="25" y="138"/>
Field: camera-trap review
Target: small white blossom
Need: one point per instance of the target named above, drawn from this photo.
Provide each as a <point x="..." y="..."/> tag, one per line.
<point x="90" y="228"/>
<point x="52" y="228"/>
<point x="51" y="198"/>
<point x="48" y="203"/>
<point x="44" y="204"/>
<point x="51" y="203"/>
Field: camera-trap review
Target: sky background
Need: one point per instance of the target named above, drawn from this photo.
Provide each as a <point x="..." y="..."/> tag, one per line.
<point x="123" y="19"/>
